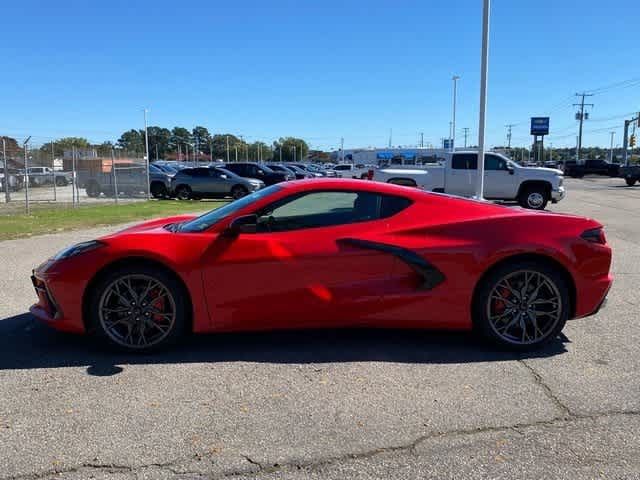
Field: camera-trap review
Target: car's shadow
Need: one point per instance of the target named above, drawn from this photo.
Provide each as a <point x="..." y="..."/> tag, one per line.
<point x="27" y="344"/>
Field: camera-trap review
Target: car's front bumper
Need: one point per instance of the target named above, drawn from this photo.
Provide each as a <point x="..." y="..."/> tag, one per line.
<point x="557" y="194"/>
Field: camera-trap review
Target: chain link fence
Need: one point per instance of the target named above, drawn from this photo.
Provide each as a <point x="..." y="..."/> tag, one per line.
<point x="32" y="175"/>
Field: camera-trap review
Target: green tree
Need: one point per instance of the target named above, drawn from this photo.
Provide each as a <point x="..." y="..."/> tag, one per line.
<point x="132" y="141"/>
<point x="159" y="139"/>
<point x="292" y="147"/>
<point x="180" y="137"/>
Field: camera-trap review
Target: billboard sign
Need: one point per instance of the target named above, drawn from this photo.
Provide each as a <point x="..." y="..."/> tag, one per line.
<point x="539" y="125"/>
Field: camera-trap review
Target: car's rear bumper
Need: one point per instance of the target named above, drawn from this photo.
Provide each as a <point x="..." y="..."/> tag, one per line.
<point x="592" y="296"/>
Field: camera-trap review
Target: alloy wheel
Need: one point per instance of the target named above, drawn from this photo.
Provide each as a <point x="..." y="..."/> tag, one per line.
<point x="524" y="307"/>
<point x="535" y="199"/>
<point x="137" y="311"/>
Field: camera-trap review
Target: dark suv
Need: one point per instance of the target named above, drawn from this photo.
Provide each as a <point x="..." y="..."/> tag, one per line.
<point x="591" y="167"/>
<point x="259" y="171"/>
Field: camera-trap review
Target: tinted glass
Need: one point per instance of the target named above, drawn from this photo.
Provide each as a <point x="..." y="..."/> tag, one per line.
<point x="464" y="161"/>
<point x="200" y="172"/>
<point x="493" y="162"/>
<point x="392" y="205"/>
<point x="209" y="219"/>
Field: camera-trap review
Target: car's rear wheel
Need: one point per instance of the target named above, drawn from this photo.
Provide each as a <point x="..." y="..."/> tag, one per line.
<point x="238" y="192"/>
<point x="522" y="306"/>
<point x="158" y="190"/>
<point x="138" y="308"/>
<point x="631" y="181"/>
<point x="534" y="198"/>
<point x="93" y="189"/>
<point x="183" y="192"/>
<point x="61" y="182"/>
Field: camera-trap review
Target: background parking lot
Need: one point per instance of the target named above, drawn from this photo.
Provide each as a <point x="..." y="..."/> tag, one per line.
<point x="331" y="404"/>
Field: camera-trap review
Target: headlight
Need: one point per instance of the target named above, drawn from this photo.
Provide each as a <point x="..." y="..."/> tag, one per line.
<point x="77" y="249"/>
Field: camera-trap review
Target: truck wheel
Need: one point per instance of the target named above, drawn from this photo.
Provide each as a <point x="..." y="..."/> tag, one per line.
<point x="93" y="189"/>
<point x="158" y="190"/>
<point x="61" y="182"/>
<point x="183" y="192"/>
<point x="534" y="198"/>
<point x="631" y="181"/>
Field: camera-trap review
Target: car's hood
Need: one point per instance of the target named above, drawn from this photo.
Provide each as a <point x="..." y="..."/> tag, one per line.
<point x="152" y="224"/>
<point x="541" y="171"/>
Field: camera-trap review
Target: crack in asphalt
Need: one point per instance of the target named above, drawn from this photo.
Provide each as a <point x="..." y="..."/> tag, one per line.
<point x="547" y="389"/>
<point x="174" y="466"/>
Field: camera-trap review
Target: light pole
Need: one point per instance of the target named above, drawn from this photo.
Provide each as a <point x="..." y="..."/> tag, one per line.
<point x="25" y="145"/>
<point x="611" y="148"/>
<point x="455" y="79"/>
<point x="227" y="137"/>
<point x="7" y="195"/>
<point x="484" y="67"/>
<point x="146" y="149"/>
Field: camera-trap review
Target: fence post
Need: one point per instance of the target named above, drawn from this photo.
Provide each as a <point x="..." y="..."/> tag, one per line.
<point x="7" y="195"/>
<point x="74" y="185"/>
<point x="26" y="173"/>
<point x="115" y="177"/>
<point x="53" y="168"/>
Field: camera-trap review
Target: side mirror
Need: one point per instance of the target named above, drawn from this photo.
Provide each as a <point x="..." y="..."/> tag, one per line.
<point x="260" y="172"/>
<point x="510" y="170"/>
<point x="243" y="224"/>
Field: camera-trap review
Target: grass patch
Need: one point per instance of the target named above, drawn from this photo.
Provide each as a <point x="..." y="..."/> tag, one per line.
<point x="51" y="220"/>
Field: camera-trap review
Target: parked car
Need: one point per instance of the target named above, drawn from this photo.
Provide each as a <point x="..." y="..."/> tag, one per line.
<point x="259" y="171"/>
<point x="12" y="178"/>
<point x="289" y="169"/>
<point x="630" y="173"/>
<point x="351" y="253"/>
<point x="46" y="176"/>
<point x="130" y="179"/>
<point x="212" y="182"/>
<point x="304" y="167"/>
<point x="591" y="167"/>
<point x="349" y="170"/>
<point x="504" y="180"/>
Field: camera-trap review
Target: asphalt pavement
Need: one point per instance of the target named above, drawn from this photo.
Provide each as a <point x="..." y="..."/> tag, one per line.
<point x="331" y="404"/>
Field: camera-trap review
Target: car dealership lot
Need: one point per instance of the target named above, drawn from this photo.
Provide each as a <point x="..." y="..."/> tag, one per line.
<point x="347" y="404"/>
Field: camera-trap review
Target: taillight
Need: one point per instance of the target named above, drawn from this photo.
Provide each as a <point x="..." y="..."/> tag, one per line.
<point x="594" y="235"/>
<point x="370" y="175"/>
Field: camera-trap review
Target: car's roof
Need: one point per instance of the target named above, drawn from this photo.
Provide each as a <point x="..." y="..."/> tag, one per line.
<point x="328" y="183"/>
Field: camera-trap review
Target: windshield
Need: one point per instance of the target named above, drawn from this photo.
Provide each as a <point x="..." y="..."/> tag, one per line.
<point x="214" y="216"/>
<point x="229" y="173"/>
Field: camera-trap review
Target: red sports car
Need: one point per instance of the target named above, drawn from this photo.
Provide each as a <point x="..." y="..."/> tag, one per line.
<point x="332" y="253"/>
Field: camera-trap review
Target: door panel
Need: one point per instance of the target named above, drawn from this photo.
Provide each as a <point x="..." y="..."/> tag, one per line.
<point x="302" y="278"/>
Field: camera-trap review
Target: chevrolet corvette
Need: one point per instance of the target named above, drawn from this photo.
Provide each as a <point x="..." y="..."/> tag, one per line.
<point x="329" y="253"/>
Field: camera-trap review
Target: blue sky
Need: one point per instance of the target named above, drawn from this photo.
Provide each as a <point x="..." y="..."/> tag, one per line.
<point x="318" y="70"/>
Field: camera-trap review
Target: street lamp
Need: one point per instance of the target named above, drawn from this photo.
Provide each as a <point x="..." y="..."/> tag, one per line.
<point x="484" y="67"/>
<point x="455" y="79"/>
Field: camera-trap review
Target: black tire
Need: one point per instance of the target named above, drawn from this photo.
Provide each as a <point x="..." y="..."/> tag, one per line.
<point x="183" y="192"/>
<point x="238" y="192"/>
<point x="98" y="321"/>
<point x="93" y="189"/>
<point x="631" y="181"/>
<point x="534" y="197"/>
<point x="61" y="182"/>
<point x="486" y="299"/>
<point x="158" y="190"/>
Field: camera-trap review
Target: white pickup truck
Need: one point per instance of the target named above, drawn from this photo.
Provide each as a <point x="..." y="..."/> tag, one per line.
<point x="504" y="179"/>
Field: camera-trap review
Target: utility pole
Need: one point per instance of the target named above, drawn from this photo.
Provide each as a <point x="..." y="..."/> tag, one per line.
<point x="455" y="79"/>
<point x="390" y="136"/>
<point x="25" y="147"/>
<point x="227" y="138"/>
<point x="421" y="139"/>
<point x="342" y="150"/>
<point x="280" y="153"/>
<point x="484" y="72"/>
<point x="294" y="153"/>
<point x="466" y="133"/>
<point x="146" y="149"/>
<point x="611" y="148"/>
<point x="581" y="118"/>
<point x="509" y="134"/>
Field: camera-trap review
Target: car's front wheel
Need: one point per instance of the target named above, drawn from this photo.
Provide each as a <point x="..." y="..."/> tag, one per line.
<point x="183" y="192"/>
<point x="138" y="308"/>
<point x="158" y="190"/>
<point x="631" y="181"/>
<point x="534" y="198"/>
<point x="522" y="305"/>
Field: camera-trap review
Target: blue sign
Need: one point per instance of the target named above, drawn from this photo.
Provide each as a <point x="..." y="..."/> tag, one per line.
<point x="447" y="143"/>
<point x="539" y="125"/>
<point x="408" y="154"/>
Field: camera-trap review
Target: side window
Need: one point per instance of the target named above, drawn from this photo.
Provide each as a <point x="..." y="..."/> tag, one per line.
<point x="493" y="162"/>
<point x="464" y="161"/>
<point x="392" y="205"/>
<point x="320" y="209"/>
<point x="200" y="172"/>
